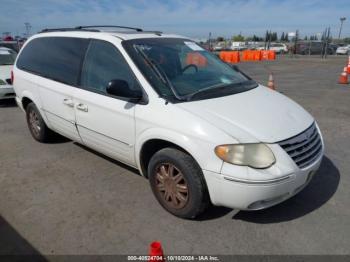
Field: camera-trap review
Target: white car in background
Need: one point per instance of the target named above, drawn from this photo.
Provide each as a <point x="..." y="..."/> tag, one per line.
<point x="343" y="50"/>
<point x="279" y="48"/>
<point x="7" y="59"/>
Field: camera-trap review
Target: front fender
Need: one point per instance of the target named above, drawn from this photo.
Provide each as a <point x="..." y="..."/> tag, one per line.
<point x="202" y="151"/>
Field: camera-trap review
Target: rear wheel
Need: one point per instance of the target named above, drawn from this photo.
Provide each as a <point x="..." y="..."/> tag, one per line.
<point x="36" y="124"/>
<point x="178" y="183"/>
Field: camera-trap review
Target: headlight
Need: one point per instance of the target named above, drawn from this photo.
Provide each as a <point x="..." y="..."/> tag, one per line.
<point x="253" y="155"/>
<point x="2" y="82"/>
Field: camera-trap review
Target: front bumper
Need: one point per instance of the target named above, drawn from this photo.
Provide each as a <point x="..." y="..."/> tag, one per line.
<point x="245" y="188"/>
<point x="255" y="195"/>
<point x="7" y="92"/>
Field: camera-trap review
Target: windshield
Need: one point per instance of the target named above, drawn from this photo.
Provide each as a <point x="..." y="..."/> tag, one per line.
<point x="182" y="69"/>
<point x="7" y="57"/>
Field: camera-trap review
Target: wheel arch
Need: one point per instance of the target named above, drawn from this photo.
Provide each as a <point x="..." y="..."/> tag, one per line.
<point x="25" y="102"/>
<point x="154" y="140"/>
<point x="152" y="146"/>
<point x="26" y="98"/>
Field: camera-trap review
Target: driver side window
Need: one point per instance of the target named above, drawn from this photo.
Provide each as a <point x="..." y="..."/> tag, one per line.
<point x="103" y="63"/>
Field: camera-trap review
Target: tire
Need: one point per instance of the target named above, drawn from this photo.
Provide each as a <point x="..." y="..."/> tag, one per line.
<point x="37" y="127"/>
<point x="175" y="163"/>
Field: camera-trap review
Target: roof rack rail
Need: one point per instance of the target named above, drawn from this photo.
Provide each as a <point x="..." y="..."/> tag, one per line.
<point x="109" y="26"/>
<point x="154" y="32"/>
<point x="46" y="30"/>
<point x="94" y="28"/>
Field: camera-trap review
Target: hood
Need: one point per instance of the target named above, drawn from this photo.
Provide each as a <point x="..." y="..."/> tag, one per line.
<point x="258" y="115"/>
<point x="5" y="71"/>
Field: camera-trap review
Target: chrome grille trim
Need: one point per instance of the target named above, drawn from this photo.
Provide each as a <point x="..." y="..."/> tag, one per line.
<point x="304" y="143"/>
<point x="309" y="144"/>
<point x="304" y="148"/>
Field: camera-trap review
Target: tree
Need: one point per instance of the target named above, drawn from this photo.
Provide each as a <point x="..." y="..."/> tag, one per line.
<point x="267" y="36"/>
<point x="256" y="38"/>
<point x="274" y="37"/>
<point x="286" y="39"/>
<point x="282" y="37"/>
<point x="238" y="38"/>
<point x="305" y="38"/>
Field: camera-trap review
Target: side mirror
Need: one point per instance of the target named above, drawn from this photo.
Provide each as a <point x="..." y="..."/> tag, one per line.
<point x="120" y="88"/>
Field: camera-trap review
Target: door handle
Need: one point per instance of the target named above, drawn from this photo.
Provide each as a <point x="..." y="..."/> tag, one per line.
<point x="82" y="107"/>
<point x="68" y="102"/>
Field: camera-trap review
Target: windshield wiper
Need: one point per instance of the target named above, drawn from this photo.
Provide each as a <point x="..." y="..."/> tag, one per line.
<point x="204" y="90"/>
<point x="160" y="73"/>
<point x="210" y="88"/>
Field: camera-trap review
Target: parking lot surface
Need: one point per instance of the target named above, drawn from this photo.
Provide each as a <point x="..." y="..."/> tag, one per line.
<point x="62" y="198"/>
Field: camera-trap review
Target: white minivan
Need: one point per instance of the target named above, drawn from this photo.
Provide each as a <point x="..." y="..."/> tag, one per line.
<point x="200" y="130"/>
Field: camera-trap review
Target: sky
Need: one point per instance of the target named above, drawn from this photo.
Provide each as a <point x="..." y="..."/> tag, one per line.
<point x="194" y="18"/>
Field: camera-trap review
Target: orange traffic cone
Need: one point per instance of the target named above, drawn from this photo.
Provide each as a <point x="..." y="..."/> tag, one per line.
<point x="343" y="78"/>
<point x="156" y="252"/>
<point x="271" y="83"/>
<point x="348" y="69"/>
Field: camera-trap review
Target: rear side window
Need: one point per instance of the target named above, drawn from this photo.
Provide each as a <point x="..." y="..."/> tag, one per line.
<point x="56" y="58"/>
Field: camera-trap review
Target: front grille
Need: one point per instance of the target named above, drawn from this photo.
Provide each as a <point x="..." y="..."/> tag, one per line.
<point x="304" y="148"/>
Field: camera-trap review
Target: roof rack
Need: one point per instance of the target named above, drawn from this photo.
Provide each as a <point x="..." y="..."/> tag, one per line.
<point x="109" y="26"/>
<point x="46" y="30"/>
<point x="154" y="32"/>
<point x="95" y="28"/>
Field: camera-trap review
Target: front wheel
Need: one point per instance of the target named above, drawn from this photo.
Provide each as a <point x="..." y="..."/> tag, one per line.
<point x="178" y="183"/>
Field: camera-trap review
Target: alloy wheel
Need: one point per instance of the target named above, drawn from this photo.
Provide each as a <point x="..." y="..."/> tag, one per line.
<point x="34" y="123"/>
<point x="171" y="186"/>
